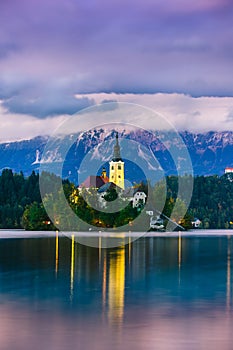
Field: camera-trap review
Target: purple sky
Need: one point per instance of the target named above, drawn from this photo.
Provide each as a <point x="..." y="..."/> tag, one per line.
<point x="52" y="49"/>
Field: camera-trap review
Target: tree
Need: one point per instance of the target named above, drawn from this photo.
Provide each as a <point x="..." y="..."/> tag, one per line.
<point x="36" y="218"/>
<point x="111" y="195"/>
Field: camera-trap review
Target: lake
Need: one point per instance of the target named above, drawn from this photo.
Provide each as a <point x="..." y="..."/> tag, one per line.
<point x="160" y="292"/>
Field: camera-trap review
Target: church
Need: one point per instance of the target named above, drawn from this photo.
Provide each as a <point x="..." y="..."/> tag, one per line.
<point x="116" y="177"/>
<point x="116" y="167"/>
<point x="116" y="180"/>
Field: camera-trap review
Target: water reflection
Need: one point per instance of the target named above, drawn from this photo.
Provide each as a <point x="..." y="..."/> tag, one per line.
<point x="228" y="287"/>
<point x="179" y="249"/>
<point x="72" y="262"/>
<point x="129" y="247"/>
<point x="57" y="252"/>
<point x="104" y="283"/>
<point x="100" y="248"/>
<point x="172" y="292"/>
<point x="116" y="286"/>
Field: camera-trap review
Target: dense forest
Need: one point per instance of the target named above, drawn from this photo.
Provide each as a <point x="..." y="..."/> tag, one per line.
<point x="21" y="205"/>
<point x="16" y="193"/>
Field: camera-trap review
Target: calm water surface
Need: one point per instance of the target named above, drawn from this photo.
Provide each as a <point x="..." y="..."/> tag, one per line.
<point x="155" y="293"/>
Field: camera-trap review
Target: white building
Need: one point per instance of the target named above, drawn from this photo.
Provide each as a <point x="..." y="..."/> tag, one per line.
<point x="228" y="170"/>
<point x="139" y="199"/>
<point x="196" y="223"/>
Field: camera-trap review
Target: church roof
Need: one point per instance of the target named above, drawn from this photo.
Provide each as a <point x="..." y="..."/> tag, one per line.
<point x="93" y="181"/>
<point x="108" y="186"/>
<point x="116" y="152"/>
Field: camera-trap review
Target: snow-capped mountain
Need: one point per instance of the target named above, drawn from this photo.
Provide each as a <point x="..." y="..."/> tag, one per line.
<point x="210" y="153"/>
<point x="22" y="155"/>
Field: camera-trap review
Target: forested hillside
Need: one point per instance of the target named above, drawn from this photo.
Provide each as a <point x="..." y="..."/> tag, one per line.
<point x="212" y="199"/>
<point x="16" y="192"/>
<point x="21" y="207"/>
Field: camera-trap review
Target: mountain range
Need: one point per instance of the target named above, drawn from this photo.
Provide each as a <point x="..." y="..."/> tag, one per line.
<point x="210" y="153"/>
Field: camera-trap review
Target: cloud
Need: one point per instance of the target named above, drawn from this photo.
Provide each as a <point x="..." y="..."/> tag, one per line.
<point x="122" y="46"/>
<point x="16" y="127"/>
<point x="46" y="105"/>
<point x="184" y="112"/>
<point x="39" y="98"/>
<point x="229" y="117"/>
<point x="60" y="56"/>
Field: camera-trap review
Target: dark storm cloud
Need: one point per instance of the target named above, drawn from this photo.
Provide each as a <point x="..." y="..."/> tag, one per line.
<point x="46" y="105"/>
<point x="121" y="46"/>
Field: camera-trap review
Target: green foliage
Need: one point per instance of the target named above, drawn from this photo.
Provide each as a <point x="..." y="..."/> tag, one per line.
<point x="16" y="192"/>
<point x="36" y="218"/>
<point x="186" y="221"/>
<point x="111" y="195"/>
<point x="110" y="217"/>
<point x="211" y="202"/>
<point x="21" y="204"/>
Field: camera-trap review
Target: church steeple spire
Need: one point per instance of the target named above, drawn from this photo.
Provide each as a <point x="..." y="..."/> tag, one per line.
<point x="116" y="153"/>
<point x="116" y="165"/>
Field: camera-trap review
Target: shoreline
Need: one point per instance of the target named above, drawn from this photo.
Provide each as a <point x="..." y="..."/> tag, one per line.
<point x="18" y="233"/>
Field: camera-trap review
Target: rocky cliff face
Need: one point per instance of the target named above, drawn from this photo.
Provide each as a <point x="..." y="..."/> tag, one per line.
<point x="210" y="152"/>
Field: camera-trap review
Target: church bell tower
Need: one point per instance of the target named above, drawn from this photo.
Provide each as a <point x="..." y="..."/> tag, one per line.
<point x="116" y="171"/>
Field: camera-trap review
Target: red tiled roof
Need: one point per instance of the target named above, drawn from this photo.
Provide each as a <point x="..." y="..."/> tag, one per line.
<point x="105" y="179"/>
<point x="93" y="181"/>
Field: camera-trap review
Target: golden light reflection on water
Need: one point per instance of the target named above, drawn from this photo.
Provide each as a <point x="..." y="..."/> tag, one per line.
<point x="116" y="287"/>
<point x="104" y="282"/>
<point x="113" y="264"/>
<point x="148" y="318"/>
<point x="57" y="253"/>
